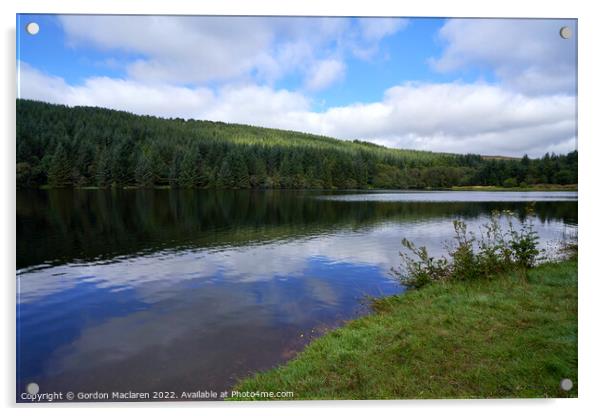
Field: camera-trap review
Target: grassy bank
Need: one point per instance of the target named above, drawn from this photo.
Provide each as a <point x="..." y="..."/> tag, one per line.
<point x="511" y="336"/>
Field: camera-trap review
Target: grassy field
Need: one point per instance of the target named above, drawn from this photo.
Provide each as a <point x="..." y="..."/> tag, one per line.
<point x="512" y="336"/>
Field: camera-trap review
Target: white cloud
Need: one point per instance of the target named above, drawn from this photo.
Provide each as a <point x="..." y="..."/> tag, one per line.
<point x="527" y="55"/>
<point x="196" y="49"/>
<point x="453" y="117"/>
<point x="137" y="97"/>
<point x="252" y="104"/>
<point x="175" y="49"/>
<point x="374" y="29"/>
<point x="324" y="73"/>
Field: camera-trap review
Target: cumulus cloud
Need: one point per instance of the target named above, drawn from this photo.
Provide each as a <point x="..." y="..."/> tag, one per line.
<point x="372" y="31"/>
<point x="527" y="55"/>
<point x="128" y="95"/>
<point x="252" y="104"/>
<point x="454" y="117"/>
<point x="324" y="73"/>
<point x="188" y="49"/>
<point x="478" y="118"/>
<point x="196" y="49"/>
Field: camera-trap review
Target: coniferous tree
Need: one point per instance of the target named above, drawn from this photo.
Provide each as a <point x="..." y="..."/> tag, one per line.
<point x="240" y="171"/>
<point x="190" y="171"/>
<point x="174" y="170"/>
<point x="59" y="173"/>
<point x="297" y="178"/>
<point x="145" y="176"/>
<point x="24" y="175"/>
<point x="286" y="172"/>
<point x="225" y="176"/>
<point x="259" y="177"/>
<point x="62" y="146"/>
<point x="121" y="169"/>
<point x="103" y="169"/>
<point x="326" y="173"/>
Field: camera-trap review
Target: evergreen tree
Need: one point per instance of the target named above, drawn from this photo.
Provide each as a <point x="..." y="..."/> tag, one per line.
<point x="103" y="169"/>
<point x="240" y="171"/>
<point x="286" y="172"/>
<point x="121" y="169"/>
<point x="145" y="176"/>
<point x="326" y="173"/>
<point x="24" y="175"/>
<point x="297" y="179"/>
<point x="225" y="176"/>
<point x="174" y="170"/>
<point x="259" y="177"/>
<point x="190" y="175"/>
<point x="62" y="146"/>
<point x="360" y="172"/>
<point x="59" y="173"/>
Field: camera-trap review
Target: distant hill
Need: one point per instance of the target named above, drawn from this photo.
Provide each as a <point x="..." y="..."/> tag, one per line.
<point x="499" y="157"/>
<point x="60" y="146"/>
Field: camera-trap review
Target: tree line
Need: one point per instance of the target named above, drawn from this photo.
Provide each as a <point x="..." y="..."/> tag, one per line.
<point x="60" y="146"/>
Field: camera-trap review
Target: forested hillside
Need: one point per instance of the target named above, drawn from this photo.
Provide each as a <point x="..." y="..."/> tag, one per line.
<point x="61" y="146"/>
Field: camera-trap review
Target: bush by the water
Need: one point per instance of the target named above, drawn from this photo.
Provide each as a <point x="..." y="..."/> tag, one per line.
<point x="496" y="250"/>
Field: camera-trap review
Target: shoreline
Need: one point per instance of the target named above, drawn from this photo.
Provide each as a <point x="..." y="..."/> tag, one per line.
<point x="513" y="336"/>
<point x="534" y="188"/>
<point x="475" y="188"/>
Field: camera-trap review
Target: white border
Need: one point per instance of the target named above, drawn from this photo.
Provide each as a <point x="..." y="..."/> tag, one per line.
<point x="590" y="231"/>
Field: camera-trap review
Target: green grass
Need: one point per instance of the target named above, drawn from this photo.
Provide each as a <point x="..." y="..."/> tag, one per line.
<point x="512" y="336"/>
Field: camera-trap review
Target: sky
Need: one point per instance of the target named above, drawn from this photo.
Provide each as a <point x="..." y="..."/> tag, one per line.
<point x="489" y="86"/>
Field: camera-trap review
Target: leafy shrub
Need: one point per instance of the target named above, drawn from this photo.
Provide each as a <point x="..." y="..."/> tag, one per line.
<point x="495" y="254"/>
<point x="464" y="261"/>
<point x="495" y="251"/>
<point x="510" y="183"/>
<point x="423" y="271"/>
<point x="523" y="244"/>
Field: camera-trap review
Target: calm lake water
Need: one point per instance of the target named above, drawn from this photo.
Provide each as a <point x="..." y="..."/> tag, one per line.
<point x="190" y="290"/>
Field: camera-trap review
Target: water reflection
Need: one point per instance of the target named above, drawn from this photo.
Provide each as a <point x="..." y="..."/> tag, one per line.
<point x="182" y="291"/>
<point x="196" y="330"/>
<point x="454" y="196"/>
<point x="66" y="225"/>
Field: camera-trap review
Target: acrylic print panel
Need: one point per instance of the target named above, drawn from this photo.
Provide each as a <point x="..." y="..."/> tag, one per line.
<point x="291" y="208"/>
